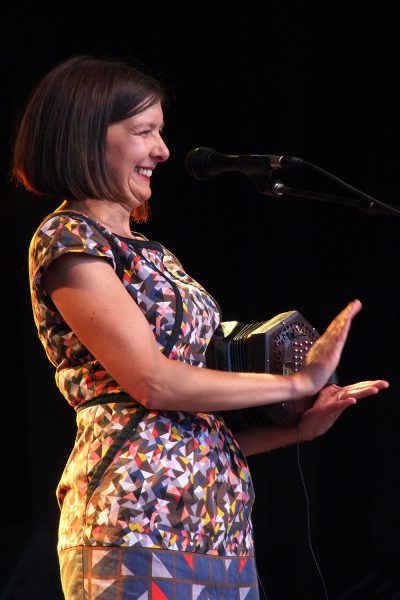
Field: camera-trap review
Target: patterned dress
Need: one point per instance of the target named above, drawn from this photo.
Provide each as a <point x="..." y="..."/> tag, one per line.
<point x="154" y="504"/>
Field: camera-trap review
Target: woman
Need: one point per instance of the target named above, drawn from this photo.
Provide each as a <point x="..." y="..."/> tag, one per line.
<point x="156" y="496"/>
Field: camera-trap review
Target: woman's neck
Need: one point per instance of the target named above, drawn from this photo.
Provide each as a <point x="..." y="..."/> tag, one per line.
<point x="112" y="214"/>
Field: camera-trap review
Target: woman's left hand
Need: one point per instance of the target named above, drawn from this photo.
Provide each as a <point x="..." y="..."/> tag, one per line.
<point x="331" y="402"/>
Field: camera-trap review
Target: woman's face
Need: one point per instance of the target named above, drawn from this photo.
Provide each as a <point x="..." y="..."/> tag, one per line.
<point x="134" y="147"/>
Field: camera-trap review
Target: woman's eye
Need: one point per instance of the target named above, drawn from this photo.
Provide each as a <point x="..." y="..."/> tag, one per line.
<point x="147" y="132"/>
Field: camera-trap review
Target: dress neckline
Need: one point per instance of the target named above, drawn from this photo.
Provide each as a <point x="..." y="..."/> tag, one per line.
<point x="141" y="242"/>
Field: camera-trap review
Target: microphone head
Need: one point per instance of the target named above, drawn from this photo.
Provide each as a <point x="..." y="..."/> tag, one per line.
<point x="196" y="163"/>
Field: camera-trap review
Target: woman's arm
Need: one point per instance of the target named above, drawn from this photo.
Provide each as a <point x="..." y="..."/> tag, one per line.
<point x="316" y="421"/>
<point x="97" y="307"/>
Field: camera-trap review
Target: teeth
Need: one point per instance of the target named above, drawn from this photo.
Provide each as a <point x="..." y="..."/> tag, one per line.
<point x="145" y="172"/>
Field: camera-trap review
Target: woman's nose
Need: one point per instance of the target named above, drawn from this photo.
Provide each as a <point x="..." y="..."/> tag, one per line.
<point x="161" y="150"/>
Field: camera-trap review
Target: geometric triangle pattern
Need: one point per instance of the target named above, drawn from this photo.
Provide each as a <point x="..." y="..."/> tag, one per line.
<point x="177" y="307"/>
<point x="178" y="480"/>
<point x="158" y="575"/>
<point x="159" y="502"/>
<point x="164" y="487"/>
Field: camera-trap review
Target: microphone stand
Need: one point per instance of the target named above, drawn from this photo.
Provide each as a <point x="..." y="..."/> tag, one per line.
<point x="270" y="187"/>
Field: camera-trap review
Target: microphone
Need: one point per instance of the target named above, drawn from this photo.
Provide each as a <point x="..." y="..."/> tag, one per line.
<point x="203" y="163"/>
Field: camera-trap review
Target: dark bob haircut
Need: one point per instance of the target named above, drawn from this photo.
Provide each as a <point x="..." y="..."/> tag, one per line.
<point x="60" y="145"/>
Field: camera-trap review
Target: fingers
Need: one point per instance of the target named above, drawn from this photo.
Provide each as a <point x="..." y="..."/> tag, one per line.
<point x="324" y="355"/>
<point x="331" y="402"/>
<point x="342" y="397"/>
<point x="349" y="394"/>
<point x="379" y="384"/>
<point x="341" y="323"/>
<point x="362" y="389"/>
<point x="336" y="333"/>
<point x="349" y="311"/>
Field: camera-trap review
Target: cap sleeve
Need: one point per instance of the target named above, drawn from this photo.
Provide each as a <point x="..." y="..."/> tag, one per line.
<point x="60" y="234"/>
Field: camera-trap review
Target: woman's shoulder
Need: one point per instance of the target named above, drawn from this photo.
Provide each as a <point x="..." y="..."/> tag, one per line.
<point x="59" y="221"/>
<point x="63" y="231"/>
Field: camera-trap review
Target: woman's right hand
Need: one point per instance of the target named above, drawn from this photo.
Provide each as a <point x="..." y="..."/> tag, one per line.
<point x="323" y="357"/>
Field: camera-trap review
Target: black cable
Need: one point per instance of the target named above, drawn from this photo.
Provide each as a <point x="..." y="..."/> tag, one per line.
<point x="308" y="516"/>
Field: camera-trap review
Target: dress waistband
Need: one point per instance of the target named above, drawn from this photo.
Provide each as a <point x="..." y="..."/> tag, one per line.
<point x="106" y="399"/>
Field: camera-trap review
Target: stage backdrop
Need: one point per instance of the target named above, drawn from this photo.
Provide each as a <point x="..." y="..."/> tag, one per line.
<point x="313" y="82"/>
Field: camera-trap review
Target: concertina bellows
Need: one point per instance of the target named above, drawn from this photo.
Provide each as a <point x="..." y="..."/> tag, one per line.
<point x="279" y="346"/>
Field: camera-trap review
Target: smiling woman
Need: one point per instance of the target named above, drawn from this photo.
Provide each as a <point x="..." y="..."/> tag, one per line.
<point x="134" y="147"/>
<point x="76" y="118"/>
<point x="156" y="496"/>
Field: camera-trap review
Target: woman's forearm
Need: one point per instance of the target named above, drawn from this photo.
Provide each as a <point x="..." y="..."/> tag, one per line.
<point x="268" y="437"/>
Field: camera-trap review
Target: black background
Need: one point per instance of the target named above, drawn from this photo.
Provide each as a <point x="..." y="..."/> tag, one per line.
<point x="314" y="81"/>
